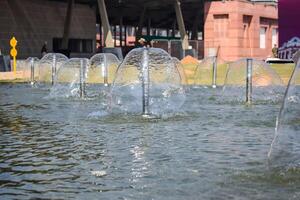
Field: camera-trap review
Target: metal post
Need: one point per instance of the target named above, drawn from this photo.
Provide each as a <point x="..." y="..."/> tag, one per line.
<point x="82" y="79"/>
<point x="53" y="69"/>
<point x="104" y="71"/>
<point x="138" y="33"/>
<point x="32" y="71"/>
<point x="214" y="78"/>
<point x="249" y="81"/>
<point x="169" y="47"/>
<point x="145" y="82"/>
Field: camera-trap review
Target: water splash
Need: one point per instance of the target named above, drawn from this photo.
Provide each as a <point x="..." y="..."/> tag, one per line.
<point x="266" y="84"/>
<point x="30" y="70"/>
<point x="70" y="80"/>
<point x="103" y="68"/>
<point x="49" y="65"/>
<point x="180" y="70"/>
<point x="166" y="93"/>
<point x="207" y="74"/>
<point x="285" y="148"/>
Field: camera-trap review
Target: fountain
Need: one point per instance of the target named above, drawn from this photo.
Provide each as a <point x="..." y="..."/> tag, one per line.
<point x="285" y="148"/>
<point x="103" y="68"/>
<point x="49" y="65"/>
<point x="71" y="79"/>
<point x="251" y="80"/>
<point x="30" y="69"/>
<point x="207" y="71"/>
<point x="147" y="82"/>
<point x="180" y="70"/>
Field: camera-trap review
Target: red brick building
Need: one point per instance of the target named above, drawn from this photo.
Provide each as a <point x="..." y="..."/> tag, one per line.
<point x="239" y="28"/>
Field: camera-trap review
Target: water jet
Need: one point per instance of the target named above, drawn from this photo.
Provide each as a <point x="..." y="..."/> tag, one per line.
<point x="49" y="65"/>
<point x="147" y="82"/>
<point x="249" y="80"/>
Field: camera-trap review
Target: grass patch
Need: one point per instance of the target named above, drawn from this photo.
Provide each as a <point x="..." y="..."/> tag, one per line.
<point x="204" y="75"/>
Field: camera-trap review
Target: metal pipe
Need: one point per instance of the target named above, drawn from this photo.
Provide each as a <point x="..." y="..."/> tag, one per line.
<point x="32" y="71"/>
<point x="214" y="78"/>
<point x="105" y="70"/>
<point x="249" y="81"/>
<point x="169" y="47"/>
<point x="145" y="82"/>
<point x="53" y="69"/>
<point x="82" y="79"/>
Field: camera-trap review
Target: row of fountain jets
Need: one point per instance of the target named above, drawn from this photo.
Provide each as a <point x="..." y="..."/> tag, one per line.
<point x="150" y="81"/>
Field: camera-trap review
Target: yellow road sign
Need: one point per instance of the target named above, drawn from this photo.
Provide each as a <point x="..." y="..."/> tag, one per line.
<point x="13" y="52"/>
<point x="13" y="42"/>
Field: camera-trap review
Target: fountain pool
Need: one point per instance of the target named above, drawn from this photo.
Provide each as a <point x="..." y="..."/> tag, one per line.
<point x="55" y="148"/>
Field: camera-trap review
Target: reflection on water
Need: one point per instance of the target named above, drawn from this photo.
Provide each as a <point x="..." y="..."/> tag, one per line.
<point x="210" y="150"/>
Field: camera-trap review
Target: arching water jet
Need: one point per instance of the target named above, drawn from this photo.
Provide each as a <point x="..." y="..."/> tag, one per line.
<point x="147" y="82"/>
<point x="285" y="148"/>
<point x="48" y="67"/>
<point x="206" y="72"/>
<point x="251" y="81"/>
<point x="71" y="79"/>
<point x="103" y="68"/>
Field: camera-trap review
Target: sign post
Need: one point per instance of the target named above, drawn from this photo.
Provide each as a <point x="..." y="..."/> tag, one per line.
<point x="13" y="52"/>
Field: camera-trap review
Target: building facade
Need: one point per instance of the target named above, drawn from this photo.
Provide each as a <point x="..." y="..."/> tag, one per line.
<point x="232" y="29"/>
<point x="289" y="36"/>
<point x="240" y="29"/>
<point x="33" y="22"/>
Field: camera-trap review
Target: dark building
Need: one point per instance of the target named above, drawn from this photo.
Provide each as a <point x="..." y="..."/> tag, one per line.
<point x="289" y="32"/>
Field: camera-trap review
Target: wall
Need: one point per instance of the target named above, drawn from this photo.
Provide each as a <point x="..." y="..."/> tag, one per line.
<point x="34" y="21"/>
<point x="232" y="29"/>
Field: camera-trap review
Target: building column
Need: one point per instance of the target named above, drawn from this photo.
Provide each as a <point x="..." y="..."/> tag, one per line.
<point x="173" y="28"/>
<point x="196" y="26"/>
<point x="180" y="22"/>
<point x="140" y="25"/>
<point x="100" y="32"/>
<point x="67" y="25"/>
<point x="125" y="39"/>
<point x="115" y="35"/>
<point x="108" y="40"/>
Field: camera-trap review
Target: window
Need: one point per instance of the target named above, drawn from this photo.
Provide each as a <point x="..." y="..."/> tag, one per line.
<point x="274" y="37"/>
<point x="247" y="23"/>
<point x="221" y="25"/>
<point x="262" y="37"/>
<point x="75" y="45"/>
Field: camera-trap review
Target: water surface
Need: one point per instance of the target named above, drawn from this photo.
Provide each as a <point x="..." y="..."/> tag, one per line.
<point x="70" y="149"/>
